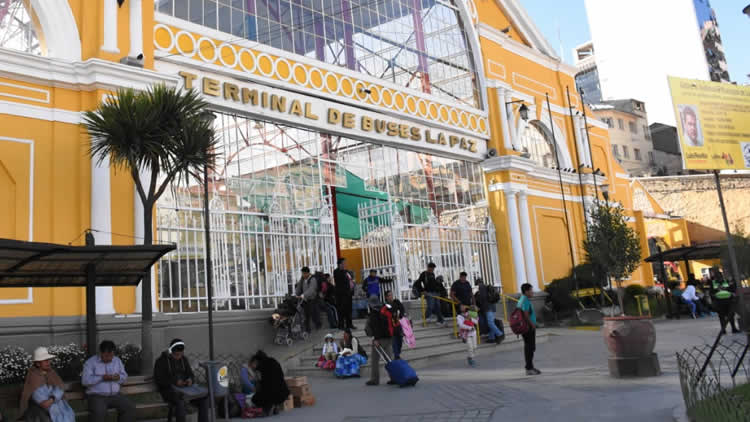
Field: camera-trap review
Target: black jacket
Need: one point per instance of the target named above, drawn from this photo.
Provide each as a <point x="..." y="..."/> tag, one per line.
<point x="341" y="278"/>
<point x="272" y="389"/>
<point x="427" y="282"/>
<point x="167" y="371"/>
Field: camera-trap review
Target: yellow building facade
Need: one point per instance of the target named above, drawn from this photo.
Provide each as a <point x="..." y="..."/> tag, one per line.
<point x="450" y="97"/>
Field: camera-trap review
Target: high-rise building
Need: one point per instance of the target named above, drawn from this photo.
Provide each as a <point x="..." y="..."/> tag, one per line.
<point x="709" y="27"/>
<point x="633" y="61"/>
<point x="587" y="76"/>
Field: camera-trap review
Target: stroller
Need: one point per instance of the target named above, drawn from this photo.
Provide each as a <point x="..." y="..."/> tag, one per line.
<point x="288" y="320"/>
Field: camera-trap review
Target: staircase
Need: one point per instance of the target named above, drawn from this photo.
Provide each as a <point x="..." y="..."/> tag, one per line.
<point x="434" y="344"/>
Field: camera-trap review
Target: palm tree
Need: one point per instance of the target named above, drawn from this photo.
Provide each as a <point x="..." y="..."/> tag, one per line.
<point x="163" y="132"/>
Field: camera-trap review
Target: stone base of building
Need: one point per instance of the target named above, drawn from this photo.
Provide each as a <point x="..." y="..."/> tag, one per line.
<point x="646" y="366"/>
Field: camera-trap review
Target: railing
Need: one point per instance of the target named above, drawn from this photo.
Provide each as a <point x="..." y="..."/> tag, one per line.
<point x="708" y="376"/>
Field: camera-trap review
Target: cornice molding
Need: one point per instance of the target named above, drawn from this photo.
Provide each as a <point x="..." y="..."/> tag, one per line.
<point x="523" y="50"/>
<point x="87" y="75"/>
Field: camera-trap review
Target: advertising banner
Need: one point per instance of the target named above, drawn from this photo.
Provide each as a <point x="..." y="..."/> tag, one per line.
<point x="713" y="124"/>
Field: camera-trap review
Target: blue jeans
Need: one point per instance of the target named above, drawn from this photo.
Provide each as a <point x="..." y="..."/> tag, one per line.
<point x="398" y="343"/>
<point x="493" y="330"/>
<point x="433" y="306"/>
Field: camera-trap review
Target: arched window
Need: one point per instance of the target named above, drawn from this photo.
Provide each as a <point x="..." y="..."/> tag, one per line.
<point x="535" y="142"/>
<point x="419" y="44"/>
<point x="18" y="28"/>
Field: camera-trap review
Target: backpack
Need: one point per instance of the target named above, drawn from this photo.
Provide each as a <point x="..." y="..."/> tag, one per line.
<point x="518" y="323"/>
<point x="492" y="294"/>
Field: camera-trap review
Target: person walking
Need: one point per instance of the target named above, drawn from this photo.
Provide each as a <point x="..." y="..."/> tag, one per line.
<point x="397" y="312"/>
<point x="467" y="322"/>
<point x="377" y="328"/>
<point x="723" y="297"/>
<point x="428" y="285"/>
<point x="344" y="290"/>
<point x="529" y="337"/>
<point x="461" y="291"/>
<point x="173" y="372"/>
<point x="487" y="299"/>
<point x="103" y="375"/>
<point x="307" y="290"/>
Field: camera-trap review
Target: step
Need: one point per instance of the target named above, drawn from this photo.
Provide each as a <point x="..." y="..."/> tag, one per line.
<point x="449" y="351"/>
<point x="421" y="336"/>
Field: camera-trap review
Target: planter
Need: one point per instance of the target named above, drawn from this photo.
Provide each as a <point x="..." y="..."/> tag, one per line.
<point x="629" y="337"/>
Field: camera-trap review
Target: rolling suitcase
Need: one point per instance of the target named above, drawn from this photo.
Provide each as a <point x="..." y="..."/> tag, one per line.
<point x="399" y="370"/>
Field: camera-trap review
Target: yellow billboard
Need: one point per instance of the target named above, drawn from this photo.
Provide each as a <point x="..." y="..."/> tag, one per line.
<point x="713" y="123"/>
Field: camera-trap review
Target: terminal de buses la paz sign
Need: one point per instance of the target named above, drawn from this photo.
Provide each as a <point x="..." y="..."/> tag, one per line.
<point x="285" y="107"/>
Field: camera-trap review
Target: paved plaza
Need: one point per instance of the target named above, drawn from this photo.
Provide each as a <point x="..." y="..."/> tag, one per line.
<point x="574" y="386"/>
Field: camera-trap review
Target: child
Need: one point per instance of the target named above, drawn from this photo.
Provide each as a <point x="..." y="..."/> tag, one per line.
<point x="330" y="353"/>
<point x="467" y="321"/>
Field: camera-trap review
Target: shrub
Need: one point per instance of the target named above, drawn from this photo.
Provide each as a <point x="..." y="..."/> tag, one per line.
<point x="559" y="290"/>
<point x="14" y="363"/>
<point x="634" y="290"/>
<point x="130" y="354"/>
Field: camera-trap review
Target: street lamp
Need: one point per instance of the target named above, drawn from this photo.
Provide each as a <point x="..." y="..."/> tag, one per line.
<point x="523" y="111"/>
<point x="208" y="117"/>
<point x="605" y="193"/>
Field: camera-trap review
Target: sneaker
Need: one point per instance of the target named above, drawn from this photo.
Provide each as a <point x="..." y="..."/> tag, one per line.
<point x="735" y="331"/>
<point x="441" y="324"/>
<point x="533" y="371"/>
<point x="692" y="315"/>
<point x="371" y="383"/>
<point x="391" y="382"/>
<point x="499" y="339"/>
<point x="472" y="362"/>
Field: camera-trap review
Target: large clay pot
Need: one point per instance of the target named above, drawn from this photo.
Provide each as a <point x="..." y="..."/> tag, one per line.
<point x="629" y="337"/>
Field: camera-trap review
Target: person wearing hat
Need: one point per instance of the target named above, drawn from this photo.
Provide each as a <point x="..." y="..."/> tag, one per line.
<point x="172" y="374"/>
<point x="378" y="328"/>
<point x="103" y="375"/>
<point x="42" y="396"/>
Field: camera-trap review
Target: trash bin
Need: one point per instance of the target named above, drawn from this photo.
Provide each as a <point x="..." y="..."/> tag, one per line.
<point x="217" y="374"/>
<point x="643" y="307"/>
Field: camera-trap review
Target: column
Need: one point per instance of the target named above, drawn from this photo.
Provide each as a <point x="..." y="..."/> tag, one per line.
<point x="515" y="238"/>
<point x="528" y="243"/>
<point x="138" y="232"/>
<point x="503" y="97"/>
<point x="136" y="28"/>
<point x="109" y="42"/>
<point x="101" y="223"/>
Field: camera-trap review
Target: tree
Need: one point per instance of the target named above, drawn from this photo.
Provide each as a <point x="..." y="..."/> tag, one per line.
<point x="611" y="246"/>
<point x="161" y="133"/>
<point x="741" y="243"/>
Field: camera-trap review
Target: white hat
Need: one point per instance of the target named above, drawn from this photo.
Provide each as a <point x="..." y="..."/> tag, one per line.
<point x="346" y="351"/>
<point x="41" y="354"/>
<point x="329" y="335"/>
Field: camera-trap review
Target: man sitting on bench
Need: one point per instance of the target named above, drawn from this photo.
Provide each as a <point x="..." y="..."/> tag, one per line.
<point x="102" y="376"/>
<point x="174" y="376"/>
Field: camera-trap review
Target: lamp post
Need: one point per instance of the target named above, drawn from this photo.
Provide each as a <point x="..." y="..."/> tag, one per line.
<point x="605" y="193"/>
<point x="208" y="118"/>
<point x="523" y="111"/>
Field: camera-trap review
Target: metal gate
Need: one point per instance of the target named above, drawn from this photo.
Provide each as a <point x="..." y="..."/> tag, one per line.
<point x="401" y="251"/>
<point x="256" y="257"/>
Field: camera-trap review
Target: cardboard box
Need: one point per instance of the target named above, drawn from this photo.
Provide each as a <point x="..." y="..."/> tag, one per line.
<point x="302" y="390"/>
<point x="296" y="381"/>
<point x="289" y="403"/>
<point x="308" y="400"/>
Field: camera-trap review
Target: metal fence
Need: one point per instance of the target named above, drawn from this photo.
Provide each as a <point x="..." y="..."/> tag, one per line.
<point x="709" y="375"/>
<point x="401" y="251"/>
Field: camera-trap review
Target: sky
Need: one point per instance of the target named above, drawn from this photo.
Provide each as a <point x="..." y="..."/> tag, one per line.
<point x="565" y="25"/>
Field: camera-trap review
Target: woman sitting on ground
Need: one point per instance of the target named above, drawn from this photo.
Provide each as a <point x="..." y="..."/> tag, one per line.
<point x="351" y="358"/>
<point x="42" y="397"/>
<point x="271" y="390"/>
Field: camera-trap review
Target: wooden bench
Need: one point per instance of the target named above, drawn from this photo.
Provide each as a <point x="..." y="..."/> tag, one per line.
<point x="74" y="392"/>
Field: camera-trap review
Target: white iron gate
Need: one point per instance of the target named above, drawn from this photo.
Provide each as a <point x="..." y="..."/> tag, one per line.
<point x="401" y="251"/>
<point x="256" y="257"/>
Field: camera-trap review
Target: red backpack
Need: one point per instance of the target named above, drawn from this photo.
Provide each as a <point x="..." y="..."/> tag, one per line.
<point x="518" y="322"/>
